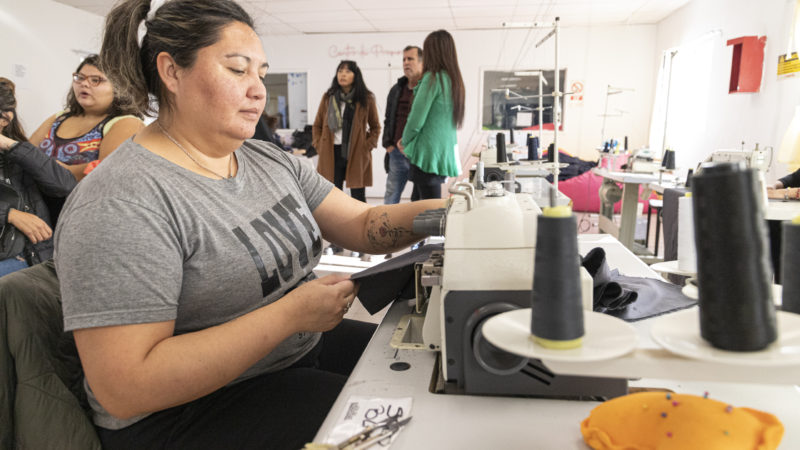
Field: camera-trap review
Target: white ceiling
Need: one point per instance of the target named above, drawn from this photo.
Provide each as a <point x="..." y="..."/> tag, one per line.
<point x="287" y="17"/>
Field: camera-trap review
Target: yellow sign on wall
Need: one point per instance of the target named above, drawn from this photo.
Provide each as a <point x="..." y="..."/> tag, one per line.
<point x="788" y="66"/>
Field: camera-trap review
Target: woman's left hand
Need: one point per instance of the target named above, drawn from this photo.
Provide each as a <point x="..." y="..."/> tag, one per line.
<point x="6" y="143"/>
<point x="400" y="146"/>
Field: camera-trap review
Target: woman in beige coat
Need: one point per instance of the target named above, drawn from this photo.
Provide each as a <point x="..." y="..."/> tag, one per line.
<point x="346" y="130"/>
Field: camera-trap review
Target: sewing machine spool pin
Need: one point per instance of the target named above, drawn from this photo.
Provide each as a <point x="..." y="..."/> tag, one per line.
<point x="469" y="196"/>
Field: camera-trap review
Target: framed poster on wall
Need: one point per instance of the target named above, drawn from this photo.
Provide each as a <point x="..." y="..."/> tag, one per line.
<point x="511" y="99"/>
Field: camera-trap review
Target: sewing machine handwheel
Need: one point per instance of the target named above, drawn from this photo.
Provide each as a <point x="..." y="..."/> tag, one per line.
<point x="489" y="357"/>
<point x="494" y="174"/>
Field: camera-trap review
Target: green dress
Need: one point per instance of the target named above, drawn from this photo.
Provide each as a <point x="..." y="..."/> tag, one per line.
<point x="429" y="138"/>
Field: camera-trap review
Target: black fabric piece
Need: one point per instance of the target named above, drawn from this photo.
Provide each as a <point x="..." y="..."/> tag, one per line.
<point x="631" y="298"/>
<point x="302" y="140"/>
<point x="391" y="280"/>
<point x="608" y="294"/>
<point x="576" y="167"/>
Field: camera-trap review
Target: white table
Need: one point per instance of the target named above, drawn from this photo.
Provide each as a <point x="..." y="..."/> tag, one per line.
<point x="484" y="422"/>
<point x="630" y="197"/>
<point x="782" y="209"/>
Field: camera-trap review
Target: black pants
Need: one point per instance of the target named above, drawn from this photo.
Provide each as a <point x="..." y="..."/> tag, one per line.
<point x="281" y="410"/>
<point x="339" y="172"/>
<point x="426" y="185"/>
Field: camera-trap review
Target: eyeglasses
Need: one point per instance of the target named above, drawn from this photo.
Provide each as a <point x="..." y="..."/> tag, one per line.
<point x="94" y="80"/>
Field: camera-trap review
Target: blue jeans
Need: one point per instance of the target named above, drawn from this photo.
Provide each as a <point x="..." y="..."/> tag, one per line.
<point x="396" y="178"/>
<point x="11" y="265"/>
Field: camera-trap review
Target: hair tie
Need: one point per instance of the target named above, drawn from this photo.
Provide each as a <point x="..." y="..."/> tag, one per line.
<point x="154" y="5"/>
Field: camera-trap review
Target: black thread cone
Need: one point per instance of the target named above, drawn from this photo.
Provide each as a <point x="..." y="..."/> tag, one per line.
<point x="557" y="306"/>
<point x="733" y="268"/>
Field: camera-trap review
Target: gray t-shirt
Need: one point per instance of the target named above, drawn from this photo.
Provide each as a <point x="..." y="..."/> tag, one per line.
<point x="143" y="240"/>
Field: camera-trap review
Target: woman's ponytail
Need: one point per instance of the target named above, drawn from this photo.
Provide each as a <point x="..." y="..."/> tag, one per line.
<point x="120" y="54"/>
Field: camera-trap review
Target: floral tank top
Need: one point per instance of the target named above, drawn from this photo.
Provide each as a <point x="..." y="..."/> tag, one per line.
<point x="79" y="150"/>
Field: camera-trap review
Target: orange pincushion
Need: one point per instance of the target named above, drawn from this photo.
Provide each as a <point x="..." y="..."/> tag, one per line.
<point x="656" y="420"/>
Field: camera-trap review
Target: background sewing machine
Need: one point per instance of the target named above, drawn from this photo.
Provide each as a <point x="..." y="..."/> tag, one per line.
<point x="486" y="268"/>
<point x="526" y="176"/>
<point x="756" y="158"/>
<point x="644" y="160"/>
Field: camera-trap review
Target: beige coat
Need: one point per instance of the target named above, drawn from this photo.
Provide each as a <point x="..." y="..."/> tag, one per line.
<point x="362" y="140"/>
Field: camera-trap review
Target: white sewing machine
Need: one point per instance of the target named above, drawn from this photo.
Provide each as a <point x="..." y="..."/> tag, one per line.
<point x="756" y="158"/>
<point x="643" y="161"/>
<point x="489" y="244"/>
<point x="486" y="268"/>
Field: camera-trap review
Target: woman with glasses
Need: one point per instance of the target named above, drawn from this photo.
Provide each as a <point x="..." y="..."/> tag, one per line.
<point x="25" y="174"/>
<point x="93" y="124"/>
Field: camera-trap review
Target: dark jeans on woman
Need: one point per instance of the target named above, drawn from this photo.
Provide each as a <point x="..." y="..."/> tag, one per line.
<point x="280" y="410"/>
<point x="426" y="185"/>
<point x="339" y="172"/>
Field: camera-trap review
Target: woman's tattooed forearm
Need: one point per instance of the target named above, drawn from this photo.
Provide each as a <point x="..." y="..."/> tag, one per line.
<point x="382" y="234"/>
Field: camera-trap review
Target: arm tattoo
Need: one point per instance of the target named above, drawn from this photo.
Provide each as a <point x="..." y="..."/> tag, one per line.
<point x="383" y="234"/>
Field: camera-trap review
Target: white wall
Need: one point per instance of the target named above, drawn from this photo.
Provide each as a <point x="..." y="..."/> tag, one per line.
<point x="39" y="41"/>
<point x="596" y="56"/>
<point x="732" y="118"/>
<point x="42" y="36"/>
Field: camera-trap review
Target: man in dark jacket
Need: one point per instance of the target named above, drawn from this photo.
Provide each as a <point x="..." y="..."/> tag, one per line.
<point x="398" y="105"/>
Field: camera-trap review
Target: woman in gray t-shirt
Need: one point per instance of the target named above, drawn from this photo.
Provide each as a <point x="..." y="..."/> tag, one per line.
<point x="186" y="257"/>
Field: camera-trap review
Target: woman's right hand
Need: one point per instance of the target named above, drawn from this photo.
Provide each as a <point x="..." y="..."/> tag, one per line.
<point x="34" y="228"/>
<point x="320" y="304"/>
